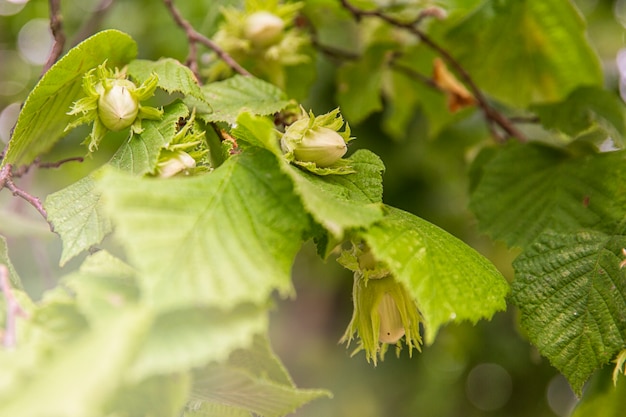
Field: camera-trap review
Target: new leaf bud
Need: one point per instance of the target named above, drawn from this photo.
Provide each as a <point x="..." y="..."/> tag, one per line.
<point x="264" y="29"/>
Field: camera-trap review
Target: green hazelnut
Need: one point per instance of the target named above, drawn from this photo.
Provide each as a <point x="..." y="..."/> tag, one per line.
<point x="117" y="107"/>
<point x="320" y="145"/>
<point x="263" y="29"/>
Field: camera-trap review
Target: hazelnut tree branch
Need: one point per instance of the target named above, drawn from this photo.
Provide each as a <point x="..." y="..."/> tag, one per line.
<point x="6" y="181"/>
<point x="14" y="310"/>
<point x="194" y="37"/>
<point x="491" y="114"/>
<point x="56" y="26"/>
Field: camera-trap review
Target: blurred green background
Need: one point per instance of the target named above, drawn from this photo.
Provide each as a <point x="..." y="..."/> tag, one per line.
<point x="483" y="370"/>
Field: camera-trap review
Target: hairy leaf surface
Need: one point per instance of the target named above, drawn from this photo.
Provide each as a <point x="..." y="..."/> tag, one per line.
<point x="572" y="295"/>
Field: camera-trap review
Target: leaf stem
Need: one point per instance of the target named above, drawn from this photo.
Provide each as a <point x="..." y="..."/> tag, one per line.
<point x="56" y="26"/>
<point x="492" y="115"/>
<point x="195" y="37"/>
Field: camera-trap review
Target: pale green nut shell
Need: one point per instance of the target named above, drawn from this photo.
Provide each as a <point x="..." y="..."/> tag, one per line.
<point x="263" y="29"/>
<point x="320" y="145"/>
<point x="117" y="107"/>
<point x="391" y="326"/>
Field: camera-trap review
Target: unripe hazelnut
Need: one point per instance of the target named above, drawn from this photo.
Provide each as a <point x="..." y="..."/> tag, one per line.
<point x="263" y="29"/>
<point x="117" y="108"/>
<point x="391" y="326"/>
<point x="320" y="145"/>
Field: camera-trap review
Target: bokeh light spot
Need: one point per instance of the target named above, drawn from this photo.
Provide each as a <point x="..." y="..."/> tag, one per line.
<point x="488" y="386"/>
<point x="34" y="41"/>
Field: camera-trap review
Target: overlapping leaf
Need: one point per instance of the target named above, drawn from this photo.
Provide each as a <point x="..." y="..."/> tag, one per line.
<point x="449" y="280"/>
<point x="524" y="189"/>
<point x="572" y="296"/>
<point x="76" y="211"/>
<point x="550" y="59"/>
<point x="193" y="337"/>
<point x="584" y="108"/>
<point x="252" y="380"/>
<point x="218" y="239"/>
<point x="337" y="202"/>
<point x="236" y="95"/>
<point x="43" y="118"/>
<point x="174" y="77"/>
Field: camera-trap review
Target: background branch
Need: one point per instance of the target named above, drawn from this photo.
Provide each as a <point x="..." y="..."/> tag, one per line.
<point x="194" y="37"/>
<point x="6" y="181"/>
<point x="56" y="26"/>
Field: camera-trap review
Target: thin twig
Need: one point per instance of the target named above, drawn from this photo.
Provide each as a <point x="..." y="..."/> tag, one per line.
<point x="14" y="309"/>
<point x="92" y="25"/>
<point x="411" y="73"/>
<point x="491" y="114"/>
<point x="56" y="26"/>
<point x="6" y="181"/>
<point x="194" y="37"/>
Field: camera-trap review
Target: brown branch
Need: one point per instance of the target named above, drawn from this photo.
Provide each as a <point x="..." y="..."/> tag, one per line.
<point x="6" y="181"/>
<point x="14" y="310"/>
<point x="194" y="37"/>
<point x="492" y="115"/>
<point x="56" y="26"/>
<point x="94" y="22"/>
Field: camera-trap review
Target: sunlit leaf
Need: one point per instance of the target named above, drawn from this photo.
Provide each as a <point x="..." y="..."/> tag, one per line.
<point x="174" y="77"/>
<point x="237" y="95"/>
<point x="43" y="118"/>
<point x="449" y="280"/>
<point x="217" y="239"/>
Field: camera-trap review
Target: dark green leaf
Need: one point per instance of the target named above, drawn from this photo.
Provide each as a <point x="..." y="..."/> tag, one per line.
<point x="572" y="296"/>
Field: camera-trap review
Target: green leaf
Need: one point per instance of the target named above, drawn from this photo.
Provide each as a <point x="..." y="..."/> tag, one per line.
<point x="537" y="50"/>
<point x="159" y="396"/>
<point x="525" y="189"/>
<point x="337" y="202"/>
<point x="76" y="211"/>
<point x="572" y="296"/>
<point x="359" y="83"/>
<point x="4" y="260"/>
<point x="449" y="280"/>
<point x="43" y="118"/>
<point x="139" y="154"/>
<point x="207" y="409"/>
<point x="77" y="216"/>
<point x="174" y="77"/>
<point x="193" y="337"/>
<point x="343" y="202"/>
<point x="79" y="371"/>
<point x="236" y="95"/>
<point x="582" y="109"/>
<point x="254" y="380"/>
<point x="217" y="239"/>
<point x="102" y="286"/>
